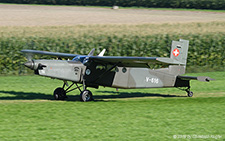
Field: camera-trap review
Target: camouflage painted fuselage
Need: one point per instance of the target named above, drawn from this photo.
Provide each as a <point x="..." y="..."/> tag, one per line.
<point x="131" y="78"/>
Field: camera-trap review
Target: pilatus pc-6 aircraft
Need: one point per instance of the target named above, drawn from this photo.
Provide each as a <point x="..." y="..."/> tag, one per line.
<point x="114" y="71"/>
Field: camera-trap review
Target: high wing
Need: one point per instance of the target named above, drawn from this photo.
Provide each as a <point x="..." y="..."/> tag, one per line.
<point x="49" y="53"/>
<point x="133" y="61"/>
<point x="118" y="60"/>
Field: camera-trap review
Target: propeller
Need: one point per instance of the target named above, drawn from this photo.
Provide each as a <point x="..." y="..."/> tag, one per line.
<point x="30" y="62"/>
<point x="29" y="56"/>
<point x="102" y="52"/>
<point x="86" y="61"/>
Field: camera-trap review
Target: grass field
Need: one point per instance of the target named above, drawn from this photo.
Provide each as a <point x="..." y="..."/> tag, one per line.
<point x="28" y="112"/>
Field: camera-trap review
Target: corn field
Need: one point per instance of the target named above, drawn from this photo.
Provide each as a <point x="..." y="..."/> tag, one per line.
<point x="206" y="49"/>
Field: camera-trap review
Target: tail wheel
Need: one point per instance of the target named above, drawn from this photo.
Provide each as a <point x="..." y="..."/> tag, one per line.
<point x="59" y="94"/>
<point x="190" y="93"/>
<point x="86" y="96"/>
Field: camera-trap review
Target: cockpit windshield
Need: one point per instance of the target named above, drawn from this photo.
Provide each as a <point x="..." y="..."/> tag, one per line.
<point x="79" y="58"/>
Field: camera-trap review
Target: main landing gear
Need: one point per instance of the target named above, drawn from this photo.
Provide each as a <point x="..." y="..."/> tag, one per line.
<point x="60" y="93"/>
<point x="86" y="95"/>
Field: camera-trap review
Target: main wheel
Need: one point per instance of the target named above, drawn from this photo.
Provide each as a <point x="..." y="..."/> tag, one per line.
<point x="59" y="94"/>
<point x="189" y="93"/>
<point x="86" y="96"/>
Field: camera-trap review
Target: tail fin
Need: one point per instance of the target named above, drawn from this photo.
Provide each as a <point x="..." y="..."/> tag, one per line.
<point x="179" y="52"/>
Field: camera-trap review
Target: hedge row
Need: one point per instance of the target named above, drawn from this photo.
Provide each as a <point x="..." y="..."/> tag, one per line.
<point x="205" y="52"/>
<point x="194" y="4"/>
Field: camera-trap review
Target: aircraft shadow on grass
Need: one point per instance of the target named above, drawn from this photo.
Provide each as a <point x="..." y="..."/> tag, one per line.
<point x="114" y="95"/>
<point x="130" y="95"/>
<point x="24" y="95"/>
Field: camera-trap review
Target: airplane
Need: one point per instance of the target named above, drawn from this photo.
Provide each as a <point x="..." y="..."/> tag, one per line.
<point x="114" y="71"/>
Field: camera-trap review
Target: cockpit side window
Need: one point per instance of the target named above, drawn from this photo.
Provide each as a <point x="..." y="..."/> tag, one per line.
<point x="79" y="58"/>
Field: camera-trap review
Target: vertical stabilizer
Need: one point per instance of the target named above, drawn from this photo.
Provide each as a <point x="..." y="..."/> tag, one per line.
<point x="179" y="52"/>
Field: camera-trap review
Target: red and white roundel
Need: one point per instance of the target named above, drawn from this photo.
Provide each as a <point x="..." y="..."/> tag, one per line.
<point x="176" y="52"/>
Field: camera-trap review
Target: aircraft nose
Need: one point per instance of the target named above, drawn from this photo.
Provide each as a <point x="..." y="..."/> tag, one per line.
<point x="29" y="64"/>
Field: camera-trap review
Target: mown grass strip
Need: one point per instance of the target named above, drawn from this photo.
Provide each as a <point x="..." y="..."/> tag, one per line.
<point x="112" y="29"/>
<point x="28" y="111"/>
<point x="142" y="119"/>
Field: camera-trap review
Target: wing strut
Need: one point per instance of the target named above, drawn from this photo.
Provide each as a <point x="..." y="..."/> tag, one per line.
<point x="100" y="76"/>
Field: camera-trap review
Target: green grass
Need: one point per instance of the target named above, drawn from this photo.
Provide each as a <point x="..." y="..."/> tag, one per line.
<point x="28" y="111"/>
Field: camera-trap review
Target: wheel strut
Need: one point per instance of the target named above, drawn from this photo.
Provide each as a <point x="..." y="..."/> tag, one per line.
<point x="85" y="95"/>
<point x="189" y="92"/>
<point x="60" y="93"/>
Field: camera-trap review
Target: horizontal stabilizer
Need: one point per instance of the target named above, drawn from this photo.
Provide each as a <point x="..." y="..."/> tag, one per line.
<point x="169" y="61"/>
<point x="199" y="78"/>
<point x="204" y="78"/>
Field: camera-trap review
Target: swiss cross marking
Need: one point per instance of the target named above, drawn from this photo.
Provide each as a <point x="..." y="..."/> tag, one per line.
<point x="176" y="52"/>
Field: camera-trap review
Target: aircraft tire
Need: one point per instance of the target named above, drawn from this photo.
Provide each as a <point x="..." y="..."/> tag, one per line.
<point x="190" y="93"/>
<point x="59" y="94"/>
<point x="86" y="96"/>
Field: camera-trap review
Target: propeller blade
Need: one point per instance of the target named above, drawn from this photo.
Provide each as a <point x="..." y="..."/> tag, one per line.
<point x="91" y="52"/>
<point x="102" y="52"/>
<point x="29" y="56"/>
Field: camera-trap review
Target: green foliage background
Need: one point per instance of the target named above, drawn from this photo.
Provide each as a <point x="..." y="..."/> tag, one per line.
<point x="206" y="51"/>
<point x="196" y="4"/>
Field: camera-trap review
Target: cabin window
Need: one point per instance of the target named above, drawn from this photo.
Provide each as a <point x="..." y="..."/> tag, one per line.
<point x="115" y="69"/>
<point x="100" y="67"/>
